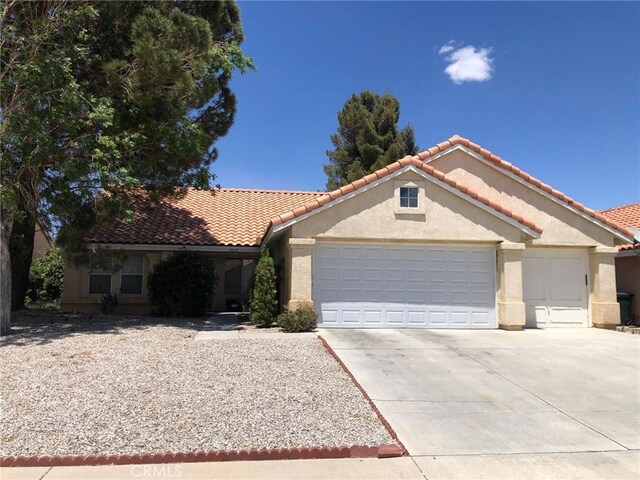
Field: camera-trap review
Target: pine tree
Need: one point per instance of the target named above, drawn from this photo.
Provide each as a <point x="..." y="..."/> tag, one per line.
<point x="106" y="97"/>
<point x="368" y="138"/>
<point x="264" y="301"/>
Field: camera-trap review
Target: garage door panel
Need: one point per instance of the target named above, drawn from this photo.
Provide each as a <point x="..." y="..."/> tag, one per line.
<point x="351" y="295"/>
<point x="480" y="319"/>
<point x="438" y="297"/>
<point x="373" y="273"/>
<point x="394" y="254"/>
<point x="372" y="317"/>
<point x="405" y="286"/>
<point x="416" y="318"/>
<point x="458" y="276"/>
<point x="436" y="276"/>
<point x="373" y="253"/>
<point x="329" y="295"/>
<point x="351" y="317"/>
<point x="416" y="275"/>
<point x="415" y="255"/>
<point x="394" y="317"/>
<point x="373" y="295"/>
<point x="393" y="296"/>
<point x="416" y="296"/>
<point x="329" y="273"/>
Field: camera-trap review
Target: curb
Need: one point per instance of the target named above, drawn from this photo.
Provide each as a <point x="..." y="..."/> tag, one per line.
<point x="355" y="451"/>
<point x="385" y="451"/>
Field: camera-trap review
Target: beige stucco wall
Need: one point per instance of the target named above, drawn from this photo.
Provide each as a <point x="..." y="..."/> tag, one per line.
<point x="561" y="226"/>
<point x="76" y="296"/>
<point x="370" y="216"/>
<point x="628" y="280"/>
<point x="41" y="243"/>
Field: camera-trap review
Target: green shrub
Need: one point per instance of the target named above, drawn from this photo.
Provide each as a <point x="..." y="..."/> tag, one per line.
<point x="183" y="284"/>
<point x="264" y="298"/>
<point x="46" y="277"/>
<point x="287" y="321"/>
<point x="302" y="319"/>
<point x="108" y="303"/>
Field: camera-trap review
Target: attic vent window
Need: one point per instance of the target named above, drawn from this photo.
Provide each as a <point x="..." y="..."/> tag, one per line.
<point x="408" y="197"/>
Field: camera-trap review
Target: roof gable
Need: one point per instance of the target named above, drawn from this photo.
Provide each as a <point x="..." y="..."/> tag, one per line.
<point x="322" y="202"/>
<point x="494" y="160"/>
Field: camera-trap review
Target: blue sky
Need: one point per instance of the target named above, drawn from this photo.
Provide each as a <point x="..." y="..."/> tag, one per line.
<point x="552" y="87"/>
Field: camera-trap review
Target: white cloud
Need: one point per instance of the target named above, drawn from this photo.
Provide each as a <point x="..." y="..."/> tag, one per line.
<point x="467" y="64"/>
<point x="447" y="47"/>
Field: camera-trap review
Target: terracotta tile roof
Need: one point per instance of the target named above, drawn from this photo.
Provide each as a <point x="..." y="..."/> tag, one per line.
<point x="238" y="217"/>
<point x="318" y="202"/>
<point x="496" y="160"/>
<point x="627" y="215"/>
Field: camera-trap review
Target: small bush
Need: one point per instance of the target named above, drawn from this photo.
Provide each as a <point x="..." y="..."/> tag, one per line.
<point x="46" y="277"/>
<point x="108" y="303"/>
<point x="264" y="298"/>
<point x="302" y="319"/>
<point x="183" y="284"/>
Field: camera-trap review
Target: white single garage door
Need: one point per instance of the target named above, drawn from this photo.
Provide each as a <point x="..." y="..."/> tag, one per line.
<point x="555" y="287"/>
<point x="395" y="286"/>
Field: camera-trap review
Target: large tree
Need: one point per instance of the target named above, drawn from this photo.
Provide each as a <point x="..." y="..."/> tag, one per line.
<point x="368" y="138"/>
<point x="101" y="100"/>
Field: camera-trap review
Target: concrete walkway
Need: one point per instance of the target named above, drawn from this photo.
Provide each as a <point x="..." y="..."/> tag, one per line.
<point x="348" y="469"/>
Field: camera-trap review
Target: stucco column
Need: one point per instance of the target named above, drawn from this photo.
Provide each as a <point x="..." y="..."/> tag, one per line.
<point x="511" y="308"/>
<point x="605" y="311"/>
<point x="301" y="271"/>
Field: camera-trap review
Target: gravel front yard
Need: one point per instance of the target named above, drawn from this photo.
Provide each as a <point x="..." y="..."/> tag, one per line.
<point x="141" y="387"/>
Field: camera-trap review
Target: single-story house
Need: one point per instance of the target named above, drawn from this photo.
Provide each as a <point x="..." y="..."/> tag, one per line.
<point x="628" y="257"/>
<point x="454" y="237"/>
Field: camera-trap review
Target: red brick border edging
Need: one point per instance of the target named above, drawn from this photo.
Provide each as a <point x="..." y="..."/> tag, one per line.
<point x="355" y="451"/>
<point x="399" y="449"/>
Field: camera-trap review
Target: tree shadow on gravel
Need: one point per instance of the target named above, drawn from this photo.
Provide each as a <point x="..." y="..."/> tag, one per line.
<point x="41" y="327"/>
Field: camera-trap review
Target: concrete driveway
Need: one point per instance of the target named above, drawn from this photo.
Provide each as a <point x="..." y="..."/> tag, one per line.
<point x="494" y="404"/>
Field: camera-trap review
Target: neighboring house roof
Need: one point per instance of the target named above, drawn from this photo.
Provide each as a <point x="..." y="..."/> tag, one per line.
<point x="503" y="164"/>
<point x="326" y="198"/>
<point x="627" y="215"/>
<point x="233" y="217"/>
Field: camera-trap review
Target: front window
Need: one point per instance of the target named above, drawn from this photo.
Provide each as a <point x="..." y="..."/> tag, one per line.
<point x="408" y="197"/>
<point x="100" y="277"/>
<point x="131" y="276"/>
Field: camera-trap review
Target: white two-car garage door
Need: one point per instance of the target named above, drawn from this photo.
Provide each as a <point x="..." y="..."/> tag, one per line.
<point x="395" y="286"/>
